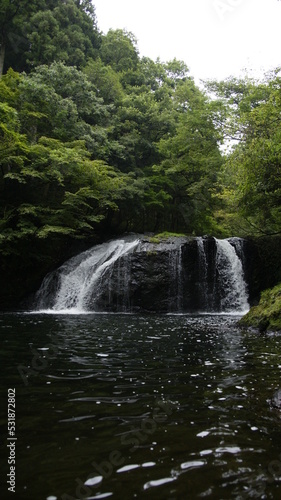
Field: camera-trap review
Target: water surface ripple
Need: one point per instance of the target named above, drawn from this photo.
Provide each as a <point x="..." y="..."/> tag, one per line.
<point x="128" y="406"/>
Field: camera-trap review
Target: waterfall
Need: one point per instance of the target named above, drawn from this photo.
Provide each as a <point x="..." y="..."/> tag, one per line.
<point x="133" y="274"/>
<point x="202" y="274"/>
<point x="221" y="285"/>
<point x="176" y="281"/>
<point x="80" y="281"/>
<point x="230" y="278"/>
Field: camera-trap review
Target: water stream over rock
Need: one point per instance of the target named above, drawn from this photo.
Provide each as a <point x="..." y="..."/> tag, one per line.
<point x="134" y="274"/>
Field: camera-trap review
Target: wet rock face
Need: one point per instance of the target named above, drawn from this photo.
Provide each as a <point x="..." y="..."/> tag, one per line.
<point x="262" y="259"/>
<point x="200" y="275"/>
<point x="176" y="275"/>
<point x="151" y="282"/>
<point x="146" y="280"/>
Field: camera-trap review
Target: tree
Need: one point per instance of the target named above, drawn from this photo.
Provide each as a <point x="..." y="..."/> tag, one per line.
<point x="145" y="115"/>
<point x="252" y="175"/>
<point x="10" y="11"/>
<point x="43" y="31"/>
<point x="106" y="81"/>
<point x="49" y="183"/>
<point x="191" y="162"/>
<point x="60" y="102"/>
<point x="119" y="50"/>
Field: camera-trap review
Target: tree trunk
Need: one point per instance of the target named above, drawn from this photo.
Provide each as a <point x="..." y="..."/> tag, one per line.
<point x="2" y="57"/>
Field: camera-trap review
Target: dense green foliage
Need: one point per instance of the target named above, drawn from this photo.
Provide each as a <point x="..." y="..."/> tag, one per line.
<point x="251" y="177"/>
<point x="102" y="143"/>
<point x="95" y="140"/>
<point x="35" y="32"/>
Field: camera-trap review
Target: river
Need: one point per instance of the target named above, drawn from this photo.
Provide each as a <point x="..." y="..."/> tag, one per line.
<point x="131" y="406"/>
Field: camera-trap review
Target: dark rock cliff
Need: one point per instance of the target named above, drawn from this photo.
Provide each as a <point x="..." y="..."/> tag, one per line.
<point x="156" y="281"/>
<point x="174" y="274"/>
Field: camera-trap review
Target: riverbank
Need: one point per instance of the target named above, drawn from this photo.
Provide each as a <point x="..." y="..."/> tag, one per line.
<point x="267" y="314"/>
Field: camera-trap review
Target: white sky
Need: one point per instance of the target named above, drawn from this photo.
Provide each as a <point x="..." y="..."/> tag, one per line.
<point x="215" y="38"/>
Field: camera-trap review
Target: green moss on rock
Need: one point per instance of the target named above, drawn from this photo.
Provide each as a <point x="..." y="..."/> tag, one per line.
<point x="267" y="314"/>
<point x="160" y="237"/>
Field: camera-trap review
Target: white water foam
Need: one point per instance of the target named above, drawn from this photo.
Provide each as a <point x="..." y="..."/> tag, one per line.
<point x="231" y="278"/>
<point x="79" y="276"/>
<point x="77" y="286"/>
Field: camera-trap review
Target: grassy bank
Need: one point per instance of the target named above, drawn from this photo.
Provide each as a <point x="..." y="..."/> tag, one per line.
<point x="267" y="314"/>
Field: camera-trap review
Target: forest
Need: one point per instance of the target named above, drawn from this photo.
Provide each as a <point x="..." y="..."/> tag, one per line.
<point x="96" y="141"/>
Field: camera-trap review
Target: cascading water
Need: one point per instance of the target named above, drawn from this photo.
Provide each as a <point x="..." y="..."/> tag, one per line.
<point x="175" y="271"/>
<point x="133" y="274"/>
<point x="230" y="277"/>
<point x="80" y="278"/>
<point x="202" y="274"/>
<point x="221" y="277"/>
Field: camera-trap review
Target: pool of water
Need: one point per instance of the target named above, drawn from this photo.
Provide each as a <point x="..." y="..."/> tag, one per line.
<point x="134" y="406"/>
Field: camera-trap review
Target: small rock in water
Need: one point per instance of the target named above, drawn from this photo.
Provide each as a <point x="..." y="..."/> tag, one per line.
<point x="276" y="399"/>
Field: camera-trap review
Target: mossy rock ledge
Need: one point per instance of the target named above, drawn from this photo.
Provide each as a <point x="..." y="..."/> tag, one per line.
<point x="267" y="314"/>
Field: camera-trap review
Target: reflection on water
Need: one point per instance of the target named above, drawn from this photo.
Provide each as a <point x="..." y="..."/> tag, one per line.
<point x="128" y="406"/>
